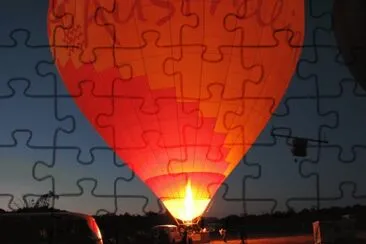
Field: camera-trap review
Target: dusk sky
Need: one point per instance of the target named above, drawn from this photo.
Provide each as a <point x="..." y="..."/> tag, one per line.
<point x="38" y="128"/>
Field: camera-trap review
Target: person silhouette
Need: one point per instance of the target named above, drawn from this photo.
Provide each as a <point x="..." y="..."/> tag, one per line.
<point x="243" y="235"/>
<point x="223" y="234"/>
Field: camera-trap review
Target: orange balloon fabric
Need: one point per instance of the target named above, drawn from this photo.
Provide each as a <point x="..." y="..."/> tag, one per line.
<point x="179" y="89"/>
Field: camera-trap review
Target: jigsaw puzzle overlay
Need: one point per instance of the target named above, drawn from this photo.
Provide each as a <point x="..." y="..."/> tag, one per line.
<point x="177" y="92"/>
<point x="189" y="109"/>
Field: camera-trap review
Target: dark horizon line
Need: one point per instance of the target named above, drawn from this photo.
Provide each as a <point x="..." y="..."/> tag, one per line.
<point x="166" y="213"/>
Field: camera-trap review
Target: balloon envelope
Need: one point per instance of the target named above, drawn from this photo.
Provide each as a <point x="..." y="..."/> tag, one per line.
<point x="350" y="32"/>
<point x="179" y="89"/>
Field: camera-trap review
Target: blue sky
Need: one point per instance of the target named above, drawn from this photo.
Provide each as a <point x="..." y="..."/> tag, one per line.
<point x="320" y="103"/>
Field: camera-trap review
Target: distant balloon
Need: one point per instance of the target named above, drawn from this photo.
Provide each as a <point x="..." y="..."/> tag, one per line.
<point x="350" y="32"/>
<point x="193" y="83"/>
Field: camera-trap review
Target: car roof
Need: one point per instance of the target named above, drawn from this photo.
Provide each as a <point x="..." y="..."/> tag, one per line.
<point x="161" y="226"/>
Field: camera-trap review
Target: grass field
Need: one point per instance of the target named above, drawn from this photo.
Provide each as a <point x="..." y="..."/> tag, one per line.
<point x="308" y="239"/>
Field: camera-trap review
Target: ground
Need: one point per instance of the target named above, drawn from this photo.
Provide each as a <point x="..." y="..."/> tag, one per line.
<point x="308" y="239"/>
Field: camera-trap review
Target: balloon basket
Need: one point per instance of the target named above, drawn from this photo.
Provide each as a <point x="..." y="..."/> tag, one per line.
<point x="195" y="221"/>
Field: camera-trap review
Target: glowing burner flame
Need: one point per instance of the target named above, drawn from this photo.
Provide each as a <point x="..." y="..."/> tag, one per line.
<point x="189" y="207"/>
<point x="188" y="203"/>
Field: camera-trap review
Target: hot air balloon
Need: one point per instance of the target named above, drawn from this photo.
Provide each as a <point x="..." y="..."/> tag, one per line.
<point x="349" y="23"/>
<point x="179" y="89"/>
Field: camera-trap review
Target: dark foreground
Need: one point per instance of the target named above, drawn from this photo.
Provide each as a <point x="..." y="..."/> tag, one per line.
<point x="307" y="239"/>
<point x="299" y="239"/>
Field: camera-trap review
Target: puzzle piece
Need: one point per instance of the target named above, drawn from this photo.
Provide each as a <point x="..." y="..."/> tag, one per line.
<point x="16" y="165"/>
<point x="263" y="21"/>
<point x="31" y="55"/>
<point x="20" y="15"/>
<point x="82" y="129"/>
<point x="158" y="177"/>
<point x="218" y="201"/>
<point x="319" y="19"/>
<point x="328" y="180"/>
<point x="234" y="191"/>
<point x="139" y="17"/>
<point x="313" y="63"/>
<point x="134" y="196"/>
<point x="80" y="53"/>
<point x="299" y="89"/>
<point x="306" y="109"/>
<point x="227" y="69"/>
<point x="102" y="168"/>
<point x="145" y="62"/>
<point x="127" y="113"/>
<point x="270" y="176"/>
<point x="103" y="203"/>
<point x="348" y="135"/>
<point x="319" y="49"/>
<point x="75" y="25"/>
<point x="237" y="204"/>
<point x="346" y="196"/>
<point x="38" y="110"/>
<point x="213" y="141"/>
<point x="47" y="68"/>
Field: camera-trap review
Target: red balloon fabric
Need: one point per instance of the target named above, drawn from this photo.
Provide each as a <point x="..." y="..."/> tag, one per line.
<point x="179" y="89"/>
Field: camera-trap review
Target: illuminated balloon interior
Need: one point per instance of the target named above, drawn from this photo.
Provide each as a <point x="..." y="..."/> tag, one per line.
<point x="180" y="90"/>
<point x="188" y="208"/>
